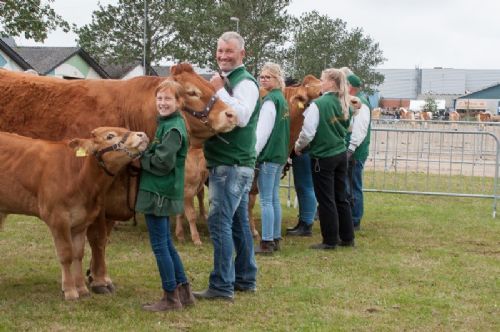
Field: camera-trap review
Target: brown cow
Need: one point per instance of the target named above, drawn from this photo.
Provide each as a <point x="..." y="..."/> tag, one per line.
<point x="48" y="180"/>
<point x="51" y="108"/>
<point x="483" y="117"/>
<point x="196" y="174"/>
<point x="376" y="113"/>
<point x="454" y="117"/>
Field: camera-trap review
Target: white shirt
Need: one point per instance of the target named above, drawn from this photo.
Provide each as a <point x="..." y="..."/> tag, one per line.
<point x="243" y="101"/>
<point x="265" y="125"/>
<point x="309" y="128"/>
<point x="360" y="123"/>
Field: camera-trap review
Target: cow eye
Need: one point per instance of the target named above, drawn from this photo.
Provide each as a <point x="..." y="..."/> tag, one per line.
<point x="110" y="136"/>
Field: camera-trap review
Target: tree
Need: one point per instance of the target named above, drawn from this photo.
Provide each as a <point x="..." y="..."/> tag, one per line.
<point x="116" y="33"/>
<point x="262" y="23"/>
<point x="430" y="105"/>
<point x="30" y="18"/>
<point x="320" y="42"/>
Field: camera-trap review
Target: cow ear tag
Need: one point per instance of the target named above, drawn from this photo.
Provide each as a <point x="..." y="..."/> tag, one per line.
<point x="300" y="104"/>
<point x="81" y="152"/>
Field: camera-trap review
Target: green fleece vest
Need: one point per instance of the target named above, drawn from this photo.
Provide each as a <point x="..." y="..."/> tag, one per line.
<point x="361" y="152"/>
<point x="241" y="148"/>
<point x="276" y="148"/>
<point x="170" y="186"/>
<point x="332" y="128"/>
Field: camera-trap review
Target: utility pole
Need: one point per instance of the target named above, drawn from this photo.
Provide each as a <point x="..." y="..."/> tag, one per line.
<point x="234" y="18"/>
<point x="145" y="35"/>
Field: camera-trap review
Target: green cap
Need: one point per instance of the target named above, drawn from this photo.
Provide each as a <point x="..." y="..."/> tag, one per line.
<point x="354" y="81"/>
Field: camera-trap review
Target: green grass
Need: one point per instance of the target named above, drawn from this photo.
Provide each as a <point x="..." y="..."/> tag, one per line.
<point x="420" y="263"/>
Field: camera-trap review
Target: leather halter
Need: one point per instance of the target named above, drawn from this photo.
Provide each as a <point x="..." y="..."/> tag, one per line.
<point x="203" y="115"/>
<point x="115" y="147"/>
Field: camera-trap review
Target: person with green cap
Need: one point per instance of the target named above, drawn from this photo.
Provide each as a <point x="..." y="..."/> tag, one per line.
<point x="358" y="142"/>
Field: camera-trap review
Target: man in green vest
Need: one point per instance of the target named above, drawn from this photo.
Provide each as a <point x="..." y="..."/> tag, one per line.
<point x="231" y="162"/>
<point x="358" y="142"/>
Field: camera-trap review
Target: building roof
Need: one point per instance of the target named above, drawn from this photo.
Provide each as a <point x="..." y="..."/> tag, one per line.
<point x="44" y="59"/>
<point x="489" y="92"/>
<point x="7" y="45"/>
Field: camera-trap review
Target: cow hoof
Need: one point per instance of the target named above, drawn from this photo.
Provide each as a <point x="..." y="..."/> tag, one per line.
<point x="70" y="295"/>
<point x="111" y="287"/>
<point x="100" y="289"/>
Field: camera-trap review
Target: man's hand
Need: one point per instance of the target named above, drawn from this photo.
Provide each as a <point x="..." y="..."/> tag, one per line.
<point x="217" y="82"/>
<point x="349" y="155"/>
<point x="297" y="152"/>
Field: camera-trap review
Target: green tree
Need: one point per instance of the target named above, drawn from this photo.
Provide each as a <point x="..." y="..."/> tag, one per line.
<point x="116" y="33"/>
<point x="430" y="105"/>
<point x="30" y="18"/>
<point x="320" y="42"/>
<point x="262" y="23"/>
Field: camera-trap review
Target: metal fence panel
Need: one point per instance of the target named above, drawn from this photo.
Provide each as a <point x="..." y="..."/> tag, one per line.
<point x="433" y="161"/>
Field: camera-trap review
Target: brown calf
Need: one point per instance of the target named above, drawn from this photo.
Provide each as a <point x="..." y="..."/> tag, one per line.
<point x="64" y="183"/>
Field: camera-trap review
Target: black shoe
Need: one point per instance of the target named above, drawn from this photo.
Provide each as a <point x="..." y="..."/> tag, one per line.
<point x="277" y="246"/>
<point x="303" y="230"/>
<point x="294" y="228"/>
<point x="210" y="294"/>
<point x="323" y="246"/>
<point x="239" y="288"/>
<point x="357" y="227"/>
<point x="343" y="243"/>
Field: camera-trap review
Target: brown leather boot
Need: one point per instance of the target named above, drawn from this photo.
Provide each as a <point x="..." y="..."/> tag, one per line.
<point x="265" y="248"/>
<point x="185" y="294"/>
<point x="169" y="301"/>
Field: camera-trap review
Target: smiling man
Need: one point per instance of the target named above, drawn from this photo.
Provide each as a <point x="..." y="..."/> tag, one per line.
<point x="231" y="162"/>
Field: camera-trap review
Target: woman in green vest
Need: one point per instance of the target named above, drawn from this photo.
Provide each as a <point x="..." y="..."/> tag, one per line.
<point x="325" y="126"/>
<point x="161" y="193"/>
<point x="273" y="136"/>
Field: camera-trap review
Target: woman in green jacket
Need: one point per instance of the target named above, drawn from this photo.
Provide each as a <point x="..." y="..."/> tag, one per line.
<point x="325" y="126"/>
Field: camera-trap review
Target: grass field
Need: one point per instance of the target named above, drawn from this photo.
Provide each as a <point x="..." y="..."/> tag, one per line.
<point x="420" y="264"/>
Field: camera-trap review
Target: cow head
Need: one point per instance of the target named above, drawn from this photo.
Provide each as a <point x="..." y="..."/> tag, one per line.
<point x="207" y="114"/>
<point x="112" y="146"/>
<point x="299" y="97"/>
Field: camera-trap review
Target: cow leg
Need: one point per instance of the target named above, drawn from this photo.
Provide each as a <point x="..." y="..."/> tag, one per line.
<point x="179" y="230"/>
<point x="3" y="216"/>
<point x="201" y="204"/>
<point x="251" y="203"/>
<point x="78" y="252"/>
<point x="190" y="214"/>
<point x="99" y="281"/>
<point x="64" y="249"/>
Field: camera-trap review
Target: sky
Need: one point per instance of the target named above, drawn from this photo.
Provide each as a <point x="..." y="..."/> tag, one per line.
<point x="460" y="34"/>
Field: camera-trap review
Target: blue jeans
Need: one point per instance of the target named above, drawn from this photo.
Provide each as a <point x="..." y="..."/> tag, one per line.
<point x="230" y="230"/>
<point x="269" y="191"/>
<point x="168" y="260"/>
<point x="302" y="178"/>
<point x="356" y="191"/>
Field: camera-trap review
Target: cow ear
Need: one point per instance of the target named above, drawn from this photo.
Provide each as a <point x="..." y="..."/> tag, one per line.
<point x="82" y="147"/>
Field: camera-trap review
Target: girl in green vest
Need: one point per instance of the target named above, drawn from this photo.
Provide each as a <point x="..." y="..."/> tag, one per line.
<point x="325" y="126"/>
<point x="273" y="135"/>
<point x="161" y="193"/>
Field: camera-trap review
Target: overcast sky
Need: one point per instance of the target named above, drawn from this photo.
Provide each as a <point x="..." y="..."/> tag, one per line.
<point x="461" y="34"/>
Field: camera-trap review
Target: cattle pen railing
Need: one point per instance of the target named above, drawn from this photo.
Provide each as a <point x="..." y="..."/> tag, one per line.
<point x="433" y="162"/>
<point x="443" y="158"/>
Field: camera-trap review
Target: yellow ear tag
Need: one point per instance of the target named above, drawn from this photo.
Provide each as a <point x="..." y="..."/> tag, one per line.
<point x="300" y="104"/>
<point x="81" y="152"/>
